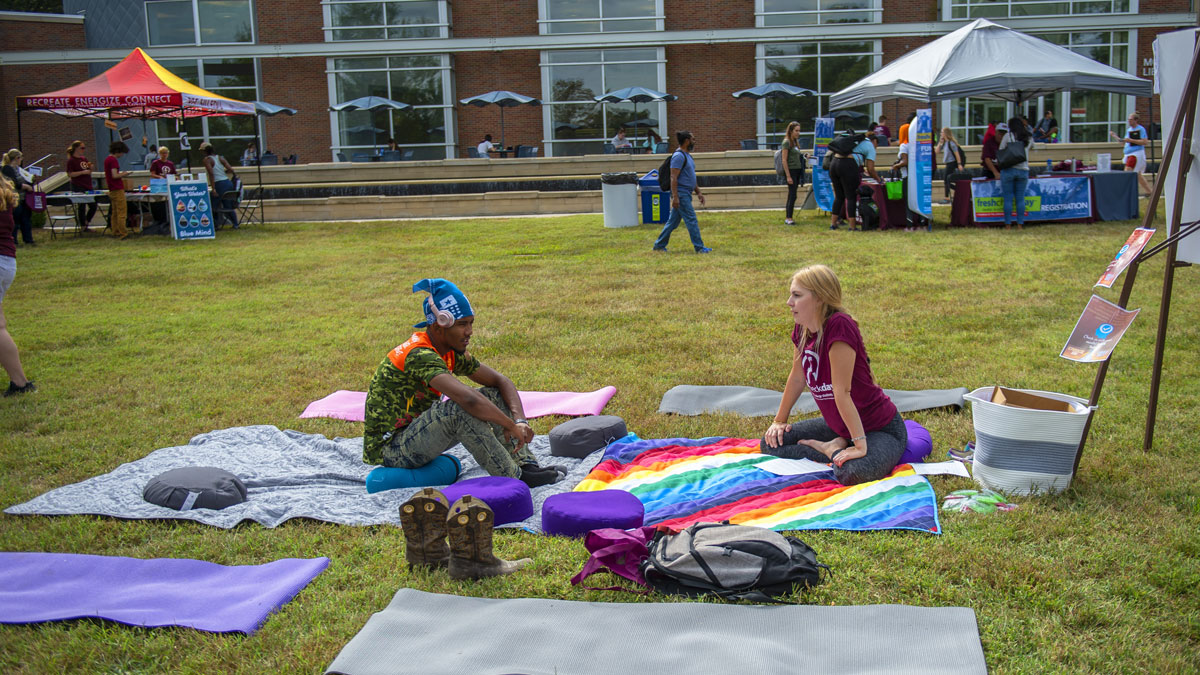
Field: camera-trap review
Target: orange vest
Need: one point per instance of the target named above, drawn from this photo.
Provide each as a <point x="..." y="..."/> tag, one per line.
<point x="400" y="353"/>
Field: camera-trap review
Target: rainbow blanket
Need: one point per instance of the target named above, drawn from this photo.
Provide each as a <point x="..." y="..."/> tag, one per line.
<point x="683" y="481"/>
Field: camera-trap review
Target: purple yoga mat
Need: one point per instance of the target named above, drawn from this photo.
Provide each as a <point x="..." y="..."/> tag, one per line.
<point x="36" y="587"/>
<point x="349" y="405"/>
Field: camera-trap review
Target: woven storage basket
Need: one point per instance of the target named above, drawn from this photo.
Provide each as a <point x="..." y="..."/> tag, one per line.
<point x="1021" y="451"/>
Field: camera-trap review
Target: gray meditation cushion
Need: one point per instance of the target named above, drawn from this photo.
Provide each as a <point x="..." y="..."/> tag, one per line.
<point x="195" y="487"/>
<point x="584" y="435"/>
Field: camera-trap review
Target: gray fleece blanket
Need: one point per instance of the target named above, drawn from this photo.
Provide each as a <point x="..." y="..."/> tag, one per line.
<point x="690" y="399"/>
<point x="288" y="474"/>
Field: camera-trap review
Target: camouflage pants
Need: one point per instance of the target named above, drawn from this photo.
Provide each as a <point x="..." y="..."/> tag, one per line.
<point x="445" y="425"/>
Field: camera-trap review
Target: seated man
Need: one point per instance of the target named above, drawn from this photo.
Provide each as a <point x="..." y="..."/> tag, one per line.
<point x="620" y="141"/>
<point x="407" y="424"/>
<point x="1046" y="130"/>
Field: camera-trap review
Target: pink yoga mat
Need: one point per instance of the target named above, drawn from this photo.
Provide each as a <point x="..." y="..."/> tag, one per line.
<point x="348" y="405"/>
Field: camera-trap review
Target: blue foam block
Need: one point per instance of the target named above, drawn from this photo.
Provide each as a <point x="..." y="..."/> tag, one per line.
<point x="443" y="470"/>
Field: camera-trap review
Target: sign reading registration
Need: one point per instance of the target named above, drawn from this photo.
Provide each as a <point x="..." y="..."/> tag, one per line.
<point x="1052" y="198"/>
<point x="191" y="210"/>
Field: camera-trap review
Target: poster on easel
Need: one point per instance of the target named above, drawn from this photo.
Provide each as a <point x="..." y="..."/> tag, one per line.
<point x="1128" y="253"/>
<point x="191" y="210"/>
<point x="1097" y="331"/>
<point x="1177" y="48"/>
<point x="920" y="157"/>
<point x="822" y="188"/>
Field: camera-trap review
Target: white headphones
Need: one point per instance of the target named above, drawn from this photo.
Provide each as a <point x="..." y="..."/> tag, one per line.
<point x="441" y="317"/>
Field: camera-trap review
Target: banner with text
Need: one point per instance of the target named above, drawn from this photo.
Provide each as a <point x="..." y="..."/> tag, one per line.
<point x="920" y="159"/>
<point x="1051" y="198"/>
<point x="191" y="210"/>
<point x="821" y="186"/>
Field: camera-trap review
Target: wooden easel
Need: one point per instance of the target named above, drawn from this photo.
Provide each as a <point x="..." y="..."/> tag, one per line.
<point x="1185" y="119"/>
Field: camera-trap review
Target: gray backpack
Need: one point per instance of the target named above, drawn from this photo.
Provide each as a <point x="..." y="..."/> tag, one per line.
<point x="735" y="562"/>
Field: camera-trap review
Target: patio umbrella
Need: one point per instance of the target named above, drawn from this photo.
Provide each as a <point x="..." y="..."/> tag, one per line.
<point x="371" y="103"/>
<point x="850" y="116"/>
<point x="640" y="123"/>
<point x="270" y="109"/>
<point x="773" y="90"/>
<point x="635" y="95"/>
<point x="502" y="98"/>
<point x="363" y="127"/>
<point x="986" y="60"/>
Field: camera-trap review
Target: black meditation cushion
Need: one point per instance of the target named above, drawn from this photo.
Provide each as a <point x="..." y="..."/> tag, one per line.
<point x="195" y="487"/>
<point x="584" y="435"/>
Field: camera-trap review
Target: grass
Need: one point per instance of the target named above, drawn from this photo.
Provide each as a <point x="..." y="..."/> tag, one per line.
<point x="143" y="344"/>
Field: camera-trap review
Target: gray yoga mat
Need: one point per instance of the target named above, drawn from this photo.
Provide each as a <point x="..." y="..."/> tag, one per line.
<point x="437" y="634"/>
<point x="288" y="474"/>
<point x="690" y="399"/>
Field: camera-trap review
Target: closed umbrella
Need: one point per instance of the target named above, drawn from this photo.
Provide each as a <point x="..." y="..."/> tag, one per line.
<point x="773" y="90"/>
<point x="371" y="103"/>
<point x="502" y="98"/>
<point x="262" y="108"/>
<point x="635" y="95"/>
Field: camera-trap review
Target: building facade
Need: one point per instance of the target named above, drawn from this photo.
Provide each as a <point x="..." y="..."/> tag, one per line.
<point x="307" y="54"/>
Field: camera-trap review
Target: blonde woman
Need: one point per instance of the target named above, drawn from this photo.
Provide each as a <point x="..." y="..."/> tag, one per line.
<point x="859" y="430"/>
<point x="22" y="214"/>
<point x="793" y="163"/>
<point x="952" y="156"/>
<point x="10" y="360"/>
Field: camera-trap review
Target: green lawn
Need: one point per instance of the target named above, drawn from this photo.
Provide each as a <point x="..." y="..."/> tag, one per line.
<point x="142" y="344"/>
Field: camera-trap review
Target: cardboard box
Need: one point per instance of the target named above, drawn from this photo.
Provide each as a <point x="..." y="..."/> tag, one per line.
<point x="1020" y="399"/>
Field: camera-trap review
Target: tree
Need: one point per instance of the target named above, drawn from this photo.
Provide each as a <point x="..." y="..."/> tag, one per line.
<point x="42" y="6"/>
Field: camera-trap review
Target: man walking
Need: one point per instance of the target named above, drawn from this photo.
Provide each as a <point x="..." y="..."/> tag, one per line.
<point x="683" y="184"/>
<point x="408" y="424"/>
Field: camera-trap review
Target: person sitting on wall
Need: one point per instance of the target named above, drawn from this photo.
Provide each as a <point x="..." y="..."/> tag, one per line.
<point x="882" y="128"/>
<point x="407" y="424"/>
<point x="250" y="154"/>
<point x="1046" y="130"/>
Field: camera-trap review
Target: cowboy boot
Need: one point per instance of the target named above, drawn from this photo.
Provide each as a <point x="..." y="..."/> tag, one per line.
<point x="469" y="527"/>
<point x="423" y="518"/>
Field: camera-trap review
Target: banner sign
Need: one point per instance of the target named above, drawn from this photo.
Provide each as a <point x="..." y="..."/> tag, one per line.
<point x="1132" y="248"/>
<point x="822" y="188"/>
<point x="1051" y="198"/>
<point x="191" y="210"/>
<point x="920" y="161"/>
<point x="1097" y="331"/>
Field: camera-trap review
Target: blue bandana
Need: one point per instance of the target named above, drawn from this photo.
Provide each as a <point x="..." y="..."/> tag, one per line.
<point x="446" y="296"/>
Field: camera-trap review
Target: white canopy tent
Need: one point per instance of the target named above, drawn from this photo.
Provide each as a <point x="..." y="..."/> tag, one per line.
<point x="989" y="61"/>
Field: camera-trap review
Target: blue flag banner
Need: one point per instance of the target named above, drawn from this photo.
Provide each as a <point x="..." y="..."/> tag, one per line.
<point x="920" y="157"/>
<point x="190" y="210"/>
<point x="1050" y="198"/>
<point x="821" y="186"/>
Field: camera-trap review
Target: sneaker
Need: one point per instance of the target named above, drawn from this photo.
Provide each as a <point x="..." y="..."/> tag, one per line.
<point x="704" y="250"/>
<point x="789" y="221"/>
<point x="659" y="250"/>
<point x="13" y="389"/>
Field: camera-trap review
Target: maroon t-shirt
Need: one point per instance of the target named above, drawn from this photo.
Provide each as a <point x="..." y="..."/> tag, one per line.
<point x="875" y="409"/>
<point x="77" y="163"/>
<point x="990" y="148"/>
<point x="8" y="245"/>
<point x="162" y="167"/>
<point x="112" y="166"/>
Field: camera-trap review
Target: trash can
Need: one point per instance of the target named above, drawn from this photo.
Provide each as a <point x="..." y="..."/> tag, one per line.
<point x="619" y="192"/>
<point x="656" y="204"/>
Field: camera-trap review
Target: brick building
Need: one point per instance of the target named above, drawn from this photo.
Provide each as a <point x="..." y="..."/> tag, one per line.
<point x="306" y="54"/>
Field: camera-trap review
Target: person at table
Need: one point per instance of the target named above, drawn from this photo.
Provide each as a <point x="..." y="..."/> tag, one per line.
<point x="392" y="146"/>
<point x="485" y="146"/>
<point x="114" y="178"/>
<point x="952" y="156"/>
<point x="79" y="170"/>
<point x="1046" y="130"/>
<point x="161" y="168"/>
<point x="10" y="359"/>
<point x="882" y="128"/>
<point x="991" y="144"/>
<point x="1014" y="179"/>
<point x="250" y="154"/>
<point x="22" y="214"/>
<point x="150" y="156"/>
<point x="620" y="141"/>
<point x="1135" y="140"/>
<point x="652" y="140"/>
<point x="845" y="173"/>
<point x="859" y="429"/>
<point x="220" y="181"/>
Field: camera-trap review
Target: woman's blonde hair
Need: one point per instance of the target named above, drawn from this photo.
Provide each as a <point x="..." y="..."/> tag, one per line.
<point x="12" y="155"/>
<point x="73" y="147"/>
<point x="8" y="195"/>
<point x="950" y="134"/>
<point x="790" y="126"/>
<point x="823" y="283"/>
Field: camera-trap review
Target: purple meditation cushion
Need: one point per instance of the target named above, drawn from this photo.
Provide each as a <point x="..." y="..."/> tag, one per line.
<point x="574" y="514"/>
<point x="920" y="443"/>
<point x="509" y="498"/>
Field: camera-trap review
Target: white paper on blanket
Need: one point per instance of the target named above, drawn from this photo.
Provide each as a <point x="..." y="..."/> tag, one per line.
<point x="948" y="468"/>
<point x="792" y="467"/>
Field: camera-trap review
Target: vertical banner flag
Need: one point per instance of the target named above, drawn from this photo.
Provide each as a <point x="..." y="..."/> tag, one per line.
<point x="191" y="210"/>
<point x="1097" y="331"/>
<point x="920" y="164"/>
<point x="821" y="186"/>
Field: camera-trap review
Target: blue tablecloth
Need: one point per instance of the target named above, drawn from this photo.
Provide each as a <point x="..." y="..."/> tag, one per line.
<point x="1114" y="195"/>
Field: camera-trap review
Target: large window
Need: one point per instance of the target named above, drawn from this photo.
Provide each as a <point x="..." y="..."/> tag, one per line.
<point x="990" y="9"/>
<point x="232" y="78"/>
<point x="421" y="81"/>
<point x="199" y="22"/>
<point x="391" y="20"/>
<point x="599" y="16"/>
<point x="770" y="13"/>
<point x="824" y="67"/>
<point x="571" y="80"/>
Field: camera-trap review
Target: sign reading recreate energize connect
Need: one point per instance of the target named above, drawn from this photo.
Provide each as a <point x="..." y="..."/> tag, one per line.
<point x="191" y="210"/>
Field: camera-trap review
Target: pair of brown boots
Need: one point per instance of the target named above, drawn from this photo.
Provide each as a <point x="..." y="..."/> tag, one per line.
<point x="429" y="520"/>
